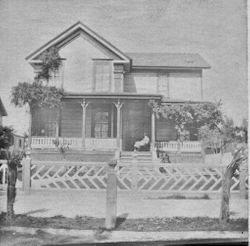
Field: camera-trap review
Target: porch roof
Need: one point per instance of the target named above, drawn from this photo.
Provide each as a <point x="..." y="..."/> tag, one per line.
<point x="176" y="101"/>
<point x="113" y="96"/>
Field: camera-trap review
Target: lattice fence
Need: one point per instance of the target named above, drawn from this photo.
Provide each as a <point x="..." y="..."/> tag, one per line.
<point x="173" y="178"/>
<point x="167" y="178"/>
<point x="68" y="175"/>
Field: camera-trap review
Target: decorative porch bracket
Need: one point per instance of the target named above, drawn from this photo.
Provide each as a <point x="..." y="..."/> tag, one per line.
<point x="118" y="135"/>
<point x="84" y="105"/>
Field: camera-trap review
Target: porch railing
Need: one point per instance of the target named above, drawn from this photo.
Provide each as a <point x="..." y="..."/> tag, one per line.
<point x="172" y="146"/>
<point x="100" y="143"/>
<point x="75" y="143"/>
<point x="48" y="142"/>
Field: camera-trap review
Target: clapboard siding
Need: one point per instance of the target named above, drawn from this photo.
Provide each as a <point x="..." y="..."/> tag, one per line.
<point x="165" y="130"/>
<point x="71" y="119"/>
<point x="44" y="122"/>
<point x="176" y="85"/>
<point x="141" y="82"/>
<point x="185" y="86"/>
<point x="79" y="57"/>
<point x="136" y="121"/>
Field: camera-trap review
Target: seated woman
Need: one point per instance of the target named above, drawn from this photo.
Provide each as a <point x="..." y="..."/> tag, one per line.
<point x="144" y="142"/>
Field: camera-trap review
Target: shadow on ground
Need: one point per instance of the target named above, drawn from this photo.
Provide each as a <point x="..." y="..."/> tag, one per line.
<point x="43" y="210"/>
<point x="120" y="219"/>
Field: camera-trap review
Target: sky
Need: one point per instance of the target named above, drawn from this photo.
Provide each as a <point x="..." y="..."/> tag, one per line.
<point x="216" y="29"/>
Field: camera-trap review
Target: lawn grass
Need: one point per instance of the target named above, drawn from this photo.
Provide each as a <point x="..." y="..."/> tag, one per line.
<point x="123" y="224"/>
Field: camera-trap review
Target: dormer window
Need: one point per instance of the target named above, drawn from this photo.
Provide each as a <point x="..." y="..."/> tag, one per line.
<point x="102" y="76"/>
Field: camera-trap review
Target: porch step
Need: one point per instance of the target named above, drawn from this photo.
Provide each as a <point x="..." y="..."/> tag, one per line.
<point x="142" y="157"/>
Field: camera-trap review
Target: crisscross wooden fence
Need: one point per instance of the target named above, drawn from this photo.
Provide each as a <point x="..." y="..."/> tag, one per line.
<point x="157" y="177"/>
<point x="68" y="175"/>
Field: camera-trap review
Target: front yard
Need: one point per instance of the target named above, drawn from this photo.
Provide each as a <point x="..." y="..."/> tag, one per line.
<point x="124" y="224"/>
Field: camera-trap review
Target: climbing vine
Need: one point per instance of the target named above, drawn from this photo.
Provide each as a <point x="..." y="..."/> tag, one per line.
<point x="36" y="95"/>
<point x="51" y="63"/>
<point x="200" y="114"/>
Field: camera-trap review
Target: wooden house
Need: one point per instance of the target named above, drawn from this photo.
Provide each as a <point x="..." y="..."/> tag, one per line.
<point x="107" y="93"/>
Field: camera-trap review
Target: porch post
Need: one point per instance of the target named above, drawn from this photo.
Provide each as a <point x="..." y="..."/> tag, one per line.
<point x="84" y="105"/>
<point x="118" y="134"/>
<point x="152" y="131"/>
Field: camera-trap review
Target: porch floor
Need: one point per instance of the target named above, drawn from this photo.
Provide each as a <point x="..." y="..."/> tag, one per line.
<point x="71" y="155"/>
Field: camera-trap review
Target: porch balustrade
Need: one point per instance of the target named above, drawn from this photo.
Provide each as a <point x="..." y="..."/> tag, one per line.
<point x="48" y="142"/>
<point x="75" y="143"/>
<point x="172" y="146"/>
<point x="101" y="143"/>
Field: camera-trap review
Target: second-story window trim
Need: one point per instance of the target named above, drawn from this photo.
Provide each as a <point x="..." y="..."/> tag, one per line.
<point x="102" y="75"/>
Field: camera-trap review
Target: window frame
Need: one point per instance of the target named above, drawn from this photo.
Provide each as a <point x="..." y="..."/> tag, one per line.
<point x="102" y="62"/>
<point x="94" y="112"/>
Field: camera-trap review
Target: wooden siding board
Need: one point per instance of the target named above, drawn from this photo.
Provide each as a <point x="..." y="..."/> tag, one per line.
<point x="165" y="130"/>
<point x="44" y="122"/>
<point x="136" y="121"/>
<point x="71" y="120"/>
<point x="143" y="82"/>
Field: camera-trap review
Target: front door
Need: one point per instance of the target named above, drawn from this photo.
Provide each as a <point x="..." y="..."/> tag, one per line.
<point x="101" y="121"/>
<point x="136" y="121"/>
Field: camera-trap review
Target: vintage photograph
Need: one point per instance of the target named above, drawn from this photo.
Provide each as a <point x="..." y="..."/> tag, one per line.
<point x="123" y="122"/>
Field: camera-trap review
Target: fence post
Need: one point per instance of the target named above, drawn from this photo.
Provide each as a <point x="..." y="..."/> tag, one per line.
<point x="117" y="154"/>
<point x="111" y="196"/>
<point x="203" y="153"/>
<point x="5" y="173"/>
<point x="26" y="164"/>
<point x="134" y="171"/>
<point x="225" y="194"/>
<point x="242" y="176"/>
<point x="154" y="154"/>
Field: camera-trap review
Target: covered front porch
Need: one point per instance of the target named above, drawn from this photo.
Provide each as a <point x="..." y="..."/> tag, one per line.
<point x="107" y="122"/>
<point x="95" y="122"/>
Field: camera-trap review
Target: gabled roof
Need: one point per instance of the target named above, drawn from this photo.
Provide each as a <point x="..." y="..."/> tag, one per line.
<point x="3" y="111"/>
<point x="168" y="60"/>
<point x="138" y="60"/>
<point x="71" y="33"/>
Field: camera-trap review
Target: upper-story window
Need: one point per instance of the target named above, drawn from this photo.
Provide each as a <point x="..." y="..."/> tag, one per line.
<point x="57" y="77"/>
<point x="102" y="76"/>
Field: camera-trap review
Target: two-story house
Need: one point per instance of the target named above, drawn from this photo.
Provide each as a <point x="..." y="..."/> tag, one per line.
<point x="107" y="91"/>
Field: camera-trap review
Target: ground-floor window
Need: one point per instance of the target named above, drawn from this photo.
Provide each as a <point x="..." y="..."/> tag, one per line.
<point x="103" y="121"/>
<point x="101" y="124"/>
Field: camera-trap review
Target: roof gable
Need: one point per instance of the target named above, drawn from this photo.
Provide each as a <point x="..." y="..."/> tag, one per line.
<point x="72" y="33"/>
